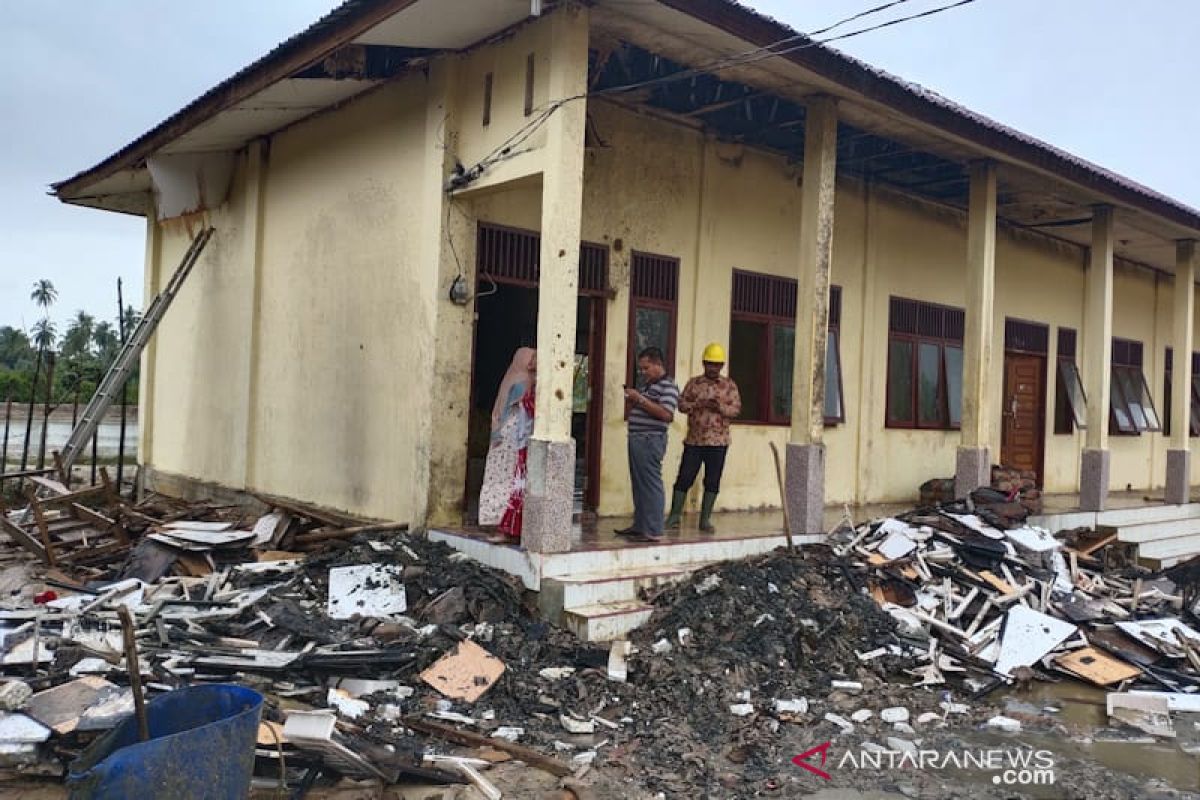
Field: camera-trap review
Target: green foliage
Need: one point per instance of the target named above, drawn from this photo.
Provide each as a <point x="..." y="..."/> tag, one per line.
<point x="80" y="358"/>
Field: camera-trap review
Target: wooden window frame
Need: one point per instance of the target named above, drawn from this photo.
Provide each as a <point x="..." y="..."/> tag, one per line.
<point x="778" y="316"/>
<point x="1194" y="407"/>
<point x="636" y="301"/>
<point x="1130" y="415"/>
<point x="918" y="338"/>
<point x="1066" y="371"/>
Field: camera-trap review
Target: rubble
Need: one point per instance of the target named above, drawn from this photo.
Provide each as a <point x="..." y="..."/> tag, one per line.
<point x="1000" y="602"/>
<point x="378" y="650"/>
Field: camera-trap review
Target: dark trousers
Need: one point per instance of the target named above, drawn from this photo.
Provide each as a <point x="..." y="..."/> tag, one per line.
<point x="645" y="473"/>
<point x="713" y="459"/>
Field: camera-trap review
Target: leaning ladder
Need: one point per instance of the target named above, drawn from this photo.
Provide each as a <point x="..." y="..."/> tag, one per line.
<point x="127" y="357"/>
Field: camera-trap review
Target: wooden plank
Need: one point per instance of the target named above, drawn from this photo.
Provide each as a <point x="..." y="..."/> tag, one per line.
<point x="999" y="584"/>
<point x="529" y="756"/>
<point x="52" y="485"/>
<point x="28" y="473"/>
<point x="22" y="538"/>
<point x="1096" y="545"/>
<point x="331" y="518"/>
<point x="72" y="497"/>
<point x="39" y="519"/>
<point x="100" y="521"/>
<point x="325" y="534"/>
<point x="1096" y="666"/>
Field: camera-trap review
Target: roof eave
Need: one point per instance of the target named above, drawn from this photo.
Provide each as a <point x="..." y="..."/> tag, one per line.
<point x="343" y="24"/>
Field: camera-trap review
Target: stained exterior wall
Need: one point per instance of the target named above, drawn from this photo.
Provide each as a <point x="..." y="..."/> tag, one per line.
<point x="296" y="359"/>
<point x="303" y="385"/>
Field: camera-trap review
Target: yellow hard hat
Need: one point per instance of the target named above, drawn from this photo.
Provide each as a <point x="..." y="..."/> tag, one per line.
<point x="714" y="354"/>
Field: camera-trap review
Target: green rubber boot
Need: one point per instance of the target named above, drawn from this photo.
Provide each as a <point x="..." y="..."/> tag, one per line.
<point x="675" y="518"/>
<point x="706" y="509"/>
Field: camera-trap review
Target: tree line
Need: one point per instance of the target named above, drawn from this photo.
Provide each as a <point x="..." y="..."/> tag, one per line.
<point x="39" y="366"/>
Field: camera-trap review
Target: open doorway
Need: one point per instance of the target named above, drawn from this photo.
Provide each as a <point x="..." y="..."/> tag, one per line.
<point x="506" y="307"/>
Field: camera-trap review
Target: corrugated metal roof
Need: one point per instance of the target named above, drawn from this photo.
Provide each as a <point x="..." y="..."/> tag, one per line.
<point x="929" y="106"/>
<point x="902" y="97"/>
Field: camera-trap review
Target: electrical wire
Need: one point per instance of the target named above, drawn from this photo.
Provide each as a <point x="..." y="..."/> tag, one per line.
<point x="505" y="149"/>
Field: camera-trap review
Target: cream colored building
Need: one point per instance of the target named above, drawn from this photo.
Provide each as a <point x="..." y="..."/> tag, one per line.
<point x="410" y="189"/>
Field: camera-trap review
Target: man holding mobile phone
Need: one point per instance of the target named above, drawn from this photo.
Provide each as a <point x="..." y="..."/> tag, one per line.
<point x="650" y="412"/>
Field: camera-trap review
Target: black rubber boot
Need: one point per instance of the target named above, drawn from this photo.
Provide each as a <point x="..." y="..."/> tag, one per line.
<point x="706" y="509"/>
<point x="675" y="518"/>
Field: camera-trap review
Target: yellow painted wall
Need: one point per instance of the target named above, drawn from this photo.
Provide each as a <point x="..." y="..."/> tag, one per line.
<point x="330" y="407"/>
<point x="201" y="373"/>
<point x="346" y="317"/>
<point x="318" y="391"/>
<point x="506" y="60"/>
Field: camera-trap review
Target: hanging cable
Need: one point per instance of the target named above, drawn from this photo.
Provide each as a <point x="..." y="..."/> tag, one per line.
<point x="505" y="150"/>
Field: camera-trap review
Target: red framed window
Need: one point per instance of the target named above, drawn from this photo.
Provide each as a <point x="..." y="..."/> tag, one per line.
<point x="653" y="308"/>
<point x="925" y="358"/>
<point x="762" y="343"/>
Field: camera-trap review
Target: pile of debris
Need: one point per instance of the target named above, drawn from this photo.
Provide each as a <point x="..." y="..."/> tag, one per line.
<point x="1003" y="602"/>
<point x="1011" y="485"/>
<point x="377" y="649"/>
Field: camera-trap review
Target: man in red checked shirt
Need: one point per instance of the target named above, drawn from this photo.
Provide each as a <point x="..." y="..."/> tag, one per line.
<point x="711" y="401"/>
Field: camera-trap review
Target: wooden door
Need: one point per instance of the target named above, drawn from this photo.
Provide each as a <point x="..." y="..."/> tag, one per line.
<point x="1024" y="412"/>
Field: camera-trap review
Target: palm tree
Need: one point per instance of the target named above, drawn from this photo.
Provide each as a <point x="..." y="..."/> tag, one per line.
<point x="106" y="342"/>
<point x="44" y="294"/>
<point x="77" y="341"/>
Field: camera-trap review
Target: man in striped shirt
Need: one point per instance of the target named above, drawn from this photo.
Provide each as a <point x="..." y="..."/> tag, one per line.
<point x="650" y="412"/>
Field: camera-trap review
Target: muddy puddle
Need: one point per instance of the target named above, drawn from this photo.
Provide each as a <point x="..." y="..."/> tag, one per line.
<point x="1081" y="709"/>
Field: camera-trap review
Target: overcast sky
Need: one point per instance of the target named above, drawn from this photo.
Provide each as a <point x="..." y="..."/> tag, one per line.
<point x="1110" y="80"/>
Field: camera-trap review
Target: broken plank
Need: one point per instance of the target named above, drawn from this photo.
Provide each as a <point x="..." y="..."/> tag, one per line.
<point x="302" y="509"/>
<point x="325" y="534"/>
<point x="18" y="535"/>
<point x="529" y="756"/>
<point x="1096" y="666"/>
<point x="999" y="584"/>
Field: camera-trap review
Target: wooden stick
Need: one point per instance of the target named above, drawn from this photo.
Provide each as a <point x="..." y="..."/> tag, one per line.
<point x="40" y="520"/>
<point x="787" y="522"/>
<point x="133" y="667"/>
<point x="324" y="535"/>
<point x="551" y="765"/>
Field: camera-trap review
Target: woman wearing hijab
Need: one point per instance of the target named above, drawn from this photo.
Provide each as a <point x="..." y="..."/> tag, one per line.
<point x="502" y="499"/>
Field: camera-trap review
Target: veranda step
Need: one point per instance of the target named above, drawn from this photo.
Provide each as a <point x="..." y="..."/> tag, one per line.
<point x="574" y="591"/>
<point x="669" y="554"/>
<point x="1181" y="547"/>
<point x="605" y="622"/>
<point x="1156" y="531"/>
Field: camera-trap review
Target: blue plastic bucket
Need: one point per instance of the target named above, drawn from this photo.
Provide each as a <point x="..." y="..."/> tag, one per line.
<point x="201" y="747"/>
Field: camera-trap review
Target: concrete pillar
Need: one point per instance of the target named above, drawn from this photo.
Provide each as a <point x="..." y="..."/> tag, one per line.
<point x="1097" y="361"/>
<point x="550" y="490"/>
<point x="448" y="242"/>
<point x="1179" y="455"/>
<point x="805" y="483"/>
<point x="145" y="395"/>
<point x="974" y="462"/>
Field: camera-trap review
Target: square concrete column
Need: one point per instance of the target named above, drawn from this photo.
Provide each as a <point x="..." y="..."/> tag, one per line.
<point x="973" y="467"/>
<point x="1097" y="364"/>
<point x="1179" y="454"/>
<point x="550" y="490"/>
<point x="805" y="480"/>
